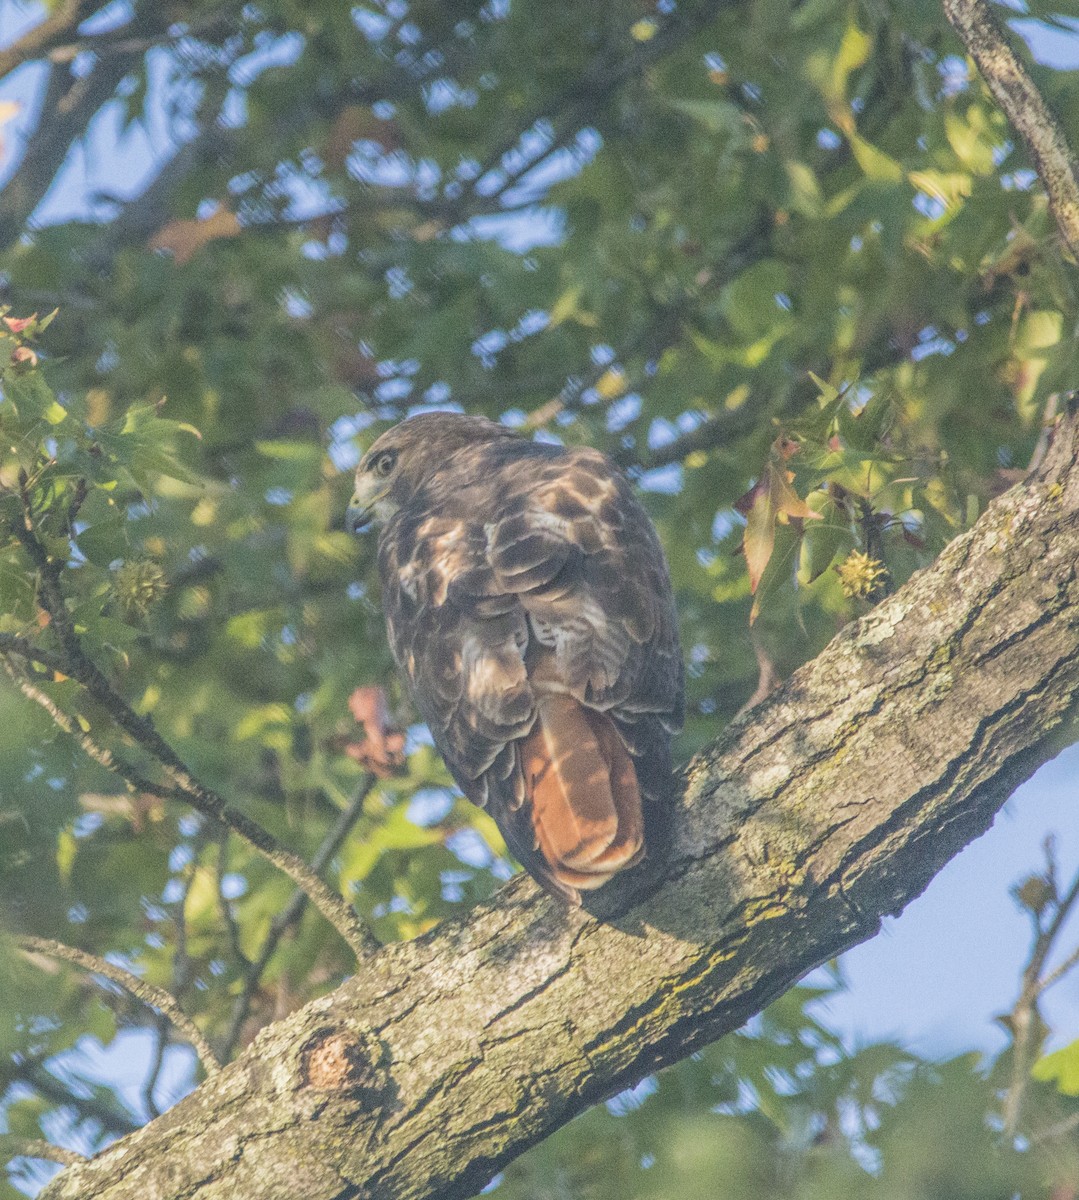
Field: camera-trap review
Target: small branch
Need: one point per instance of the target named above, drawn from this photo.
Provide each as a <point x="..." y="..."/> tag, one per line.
<point x="12" y="643"/>
<point x="141" y="730"/>
<point x="227" y="915"/>
<point x="20" y="1147"/>
<point x="112" y="1119"/>
<point x="67" y="17"/>
<point x="1060" y="1129"/>
<point x="68" y="107"/>
<point x="1024" y="1017"/>
<point x="145" y="992"/>
<point x="119" y="42"/>
<point x="100" y="754"/>
<point x="161" y="1040"/>
<point x="712" y="432"/>
<point x="290" y="914"/>
<point x="1056" y="975"/>
<point x="604" y="75"/>
<point x="1021" y="101"/>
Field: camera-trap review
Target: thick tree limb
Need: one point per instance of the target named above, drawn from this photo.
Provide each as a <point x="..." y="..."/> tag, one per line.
<point x="1018" y="96"/>
<point x="832" y="803"/>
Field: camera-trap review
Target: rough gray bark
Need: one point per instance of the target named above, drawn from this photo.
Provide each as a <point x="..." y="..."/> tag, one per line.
<point x="831" y="804"/>
<point x="1019" y="97"/>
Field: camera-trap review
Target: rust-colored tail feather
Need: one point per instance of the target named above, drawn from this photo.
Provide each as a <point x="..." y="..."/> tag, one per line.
<point x="586" y="805"/>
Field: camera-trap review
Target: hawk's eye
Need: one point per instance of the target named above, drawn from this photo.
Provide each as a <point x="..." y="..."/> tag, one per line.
<point x="385" y="462"/>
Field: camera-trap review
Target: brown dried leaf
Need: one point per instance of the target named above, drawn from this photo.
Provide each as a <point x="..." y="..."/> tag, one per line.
<point x="184" y="239"/>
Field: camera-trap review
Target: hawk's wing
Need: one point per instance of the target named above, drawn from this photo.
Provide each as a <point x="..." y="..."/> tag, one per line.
<point x="524" y="573"/>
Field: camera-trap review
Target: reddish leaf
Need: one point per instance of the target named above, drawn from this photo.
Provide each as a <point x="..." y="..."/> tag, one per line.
<point x="383" y="748"/>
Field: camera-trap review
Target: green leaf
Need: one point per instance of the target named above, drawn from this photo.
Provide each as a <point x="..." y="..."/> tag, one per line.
<point x="717" y="116"/>
<point x="877" y="166"/>
<point x="1061" y="1067"/>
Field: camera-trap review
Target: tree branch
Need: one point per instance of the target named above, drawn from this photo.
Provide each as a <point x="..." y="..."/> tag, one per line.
<point x="39" y="40"/>
<point x="31" y="1071"/>
<point x="69" y="106"/>
<point x="1018" y="96"/>
<point x="77" y="664"/>
<point x="832" y="803"/>
<point x="288" y="916"/>
<point x="145" y="992"/>
<point x="1024" y="1021"/>
<point x="20" y="1147"/>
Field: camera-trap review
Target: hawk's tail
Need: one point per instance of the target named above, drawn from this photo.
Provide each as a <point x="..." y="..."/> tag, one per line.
<point x="582" y="784"/>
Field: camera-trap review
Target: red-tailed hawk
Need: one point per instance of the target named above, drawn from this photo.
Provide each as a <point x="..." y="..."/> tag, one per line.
<point x="528" y="603"/>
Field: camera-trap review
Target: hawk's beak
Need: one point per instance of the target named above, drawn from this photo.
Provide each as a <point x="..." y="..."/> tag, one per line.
<point x="357" y="517"/>
<point x="361" y="508"/>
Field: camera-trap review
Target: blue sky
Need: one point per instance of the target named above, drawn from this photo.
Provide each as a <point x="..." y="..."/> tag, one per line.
<point x="938" y="975"/>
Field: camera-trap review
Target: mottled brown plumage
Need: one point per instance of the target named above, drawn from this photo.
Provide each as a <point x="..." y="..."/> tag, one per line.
<point x="528" y="603"/>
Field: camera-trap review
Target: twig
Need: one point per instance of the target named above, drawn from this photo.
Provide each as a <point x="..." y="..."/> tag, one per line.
<point x="110" y="1118"/>
<point x="1021" y="101"/>
<point x="81" y="668"/>
<point x="117" y="42"/>
<point x="181" y="975"/>
<point x="291" y="913"/>
<point x="1060" y="1129"/>
<point x="227" y="915"/>
<point x="12" y="643"/>
<point x="63" y="115"/>
<point x="604" y="75"/>
<point x="100" y="754"/>
<point x="768" y="676"/>
<point x="1056" y="975"/>
<point x="1045" y="433"/>
<point x="161" y="1040"/>
<point x="67" y="17"/>
<point x="147" y="993"/>
<point x="20" y="1147"/>
<point x="1024" y="1015"/>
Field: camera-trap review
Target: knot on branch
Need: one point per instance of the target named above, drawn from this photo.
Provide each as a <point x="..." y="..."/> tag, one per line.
<point x="336" y="1060"/>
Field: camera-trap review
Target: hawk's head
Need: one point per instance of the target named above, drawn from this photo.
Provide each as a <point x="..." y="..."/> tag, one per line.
<point x="405" y="457"/>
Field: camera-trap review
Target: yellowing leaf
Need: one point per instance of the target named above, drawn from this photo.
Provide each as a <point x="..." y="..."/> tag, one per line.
<point x="259" y="719"/>
<point x="968" y="138"/>
<point x="769" y="502"/>
<point x="565" y="308"/>
<point x="643" y="30"/>
<point x="875" y="163"/>
<point x="949" y="187"/>
<point x="853" y="52"/>
<point x="67" y="847"/>
<point x="805" y="192"/>
<point x="1039" y="330"/>
<point x="1062" y="1068"/>
<point x="611" y="384"/>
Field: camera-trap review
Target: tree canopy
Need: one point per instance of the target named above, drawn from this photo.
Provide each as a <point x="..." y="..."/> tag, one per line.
<point x="787" y="261"/>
